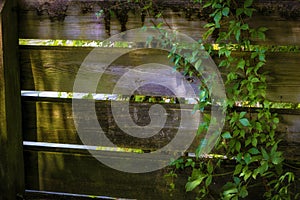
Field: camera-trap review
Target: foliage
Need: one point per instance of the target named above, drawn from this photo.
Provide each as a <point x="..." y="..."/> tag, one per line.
<point x="249" y="140"/>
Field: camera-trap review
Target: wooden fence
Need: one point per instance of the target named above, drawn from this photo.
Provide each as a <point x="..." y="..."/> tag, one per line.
<point x="41" y="120"/>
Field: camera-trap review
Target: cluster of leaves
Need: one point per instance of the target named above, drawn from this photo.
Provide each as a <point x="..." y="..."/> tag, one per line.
<point x="249" y="140"/>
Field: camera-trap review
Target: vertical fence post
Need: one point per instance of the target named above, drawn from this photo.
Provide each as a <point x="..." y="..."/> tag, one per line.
<point x="11" y="150"/>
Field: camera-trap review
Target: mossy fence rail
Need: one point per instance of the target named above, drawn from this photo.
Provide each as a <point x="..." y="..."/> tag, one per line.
<point x="54" y="68"/>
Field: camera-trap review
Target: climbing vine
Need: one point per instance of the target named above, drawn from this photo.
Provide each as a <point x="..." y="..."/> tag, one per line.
<point x="248" y="141"/>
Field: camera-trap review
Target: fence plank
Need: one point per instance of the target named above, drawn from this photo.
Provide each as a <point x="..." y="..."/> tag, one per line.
<point x="11" y="159"/>
<point x="77" y="173"/>
<point x="80" y="21"/>
<point x="81" y="173"/>
<point x="55" y="69"/>
<point x="53" y="122"/>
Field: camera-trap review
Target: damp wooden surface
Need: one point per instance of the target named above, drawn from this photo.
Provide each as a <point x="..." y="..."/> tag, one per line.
<point x="42" y="21"/>
<point x="74" y="173"/>
<point x="11" y="159"/>
<point x="55" y="69"/>
<point x="63" y="172"/>
<point x="53" y="122"/>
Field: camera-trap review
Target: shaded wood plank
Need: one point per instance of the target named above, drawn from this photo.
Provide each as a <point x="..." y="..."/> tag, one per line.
<point x="80" y="22"/>
<point x="53" y="122"/>
<point x="55" y="69"/>
<point x="83" y="174"/>
<point x="11" y="158"/>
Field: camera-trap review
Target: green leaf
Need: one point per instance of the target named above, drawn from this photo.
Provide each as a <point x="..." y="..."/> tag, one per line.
<point x="248" y="141"/>
<point x="225" y="11"/>
<point x="198" y="64"/>
<point x="217" y="19"/>
<point x="243" y="192"/>
<point x="258" y="126"/>
<point x="226" y="135"/>
<point x="223" y="63"/>
<point x="209" y="25"/>
<point x="208" y="33"/>
<point x="192" y="185"/>
<point x="208" y="180"/>
<point x="239" y="157"/>
<point x="276" y="120"/>
<point x="207" y="4"/>
<point x="265" y="154"/>
<point x="263" y="167"/>
<point x="242" y="114"/>
<point x="217" y="6"/>
<point x="247" y="158"/>
<point x="255" y="173"/>
<point x="262" y="29"/>
<point x="210" y="167"/>
<point x="261" y="35"/>
<point x="237" y="35"/>
<point x="254" y="142"/>
<point x="255" y="80"/>
<point x="274" y="149"/>
<point x="277" y="160"/>
<point x="241" y="64"/>
<point x="248" y="3"/>
<point x="237" y="180"/>
<point x="247" y="175"/>
<point x="230" y="191"/>
<point x="245" y="27"/>
<point x="248" y="11"/>
<point x="254" y="151"/>
<point x="196" y="173"/>
<point x="238" y="169"/>
<point x="239" y="11"/>
<point x="244" y="122"/>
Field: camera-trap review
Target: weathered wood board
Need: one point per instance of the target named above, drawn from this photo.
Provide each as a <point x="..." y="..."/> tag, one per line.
<point x="11" y="150"/>
<point x="55" y="69"/>
<point x="63" y="172"/>
<point x="78" y="19"/>
<point x="82" y="173"/>
<point x="53" y="121"/>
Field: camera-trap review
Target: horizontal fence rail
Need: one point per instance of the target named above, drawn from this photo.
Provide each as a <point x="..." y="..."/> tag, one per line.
<point x="78" y="20"/>
<point x="55" y="69"/>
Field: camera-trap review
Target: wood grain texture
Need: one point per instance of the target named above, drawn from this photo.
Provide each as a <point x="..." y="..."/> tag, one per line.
<point x="11" y="158"/>
<point x="54" y="122"/>
<point x="77" y="20"/>
<point x="75" y="173"/>
<point x="46" y="121"/>
<point x="55" y="69"/>
<point x="82" y="173"/>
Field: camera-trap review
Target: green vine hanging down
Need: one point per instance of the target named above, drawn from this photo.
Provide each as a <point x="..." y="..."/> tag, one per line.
<point x="249" y="140"/>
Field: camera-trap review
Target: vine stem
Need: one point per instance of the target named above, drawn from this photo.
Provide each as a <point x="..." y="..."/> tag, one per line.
<point x="223" y="174"/>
